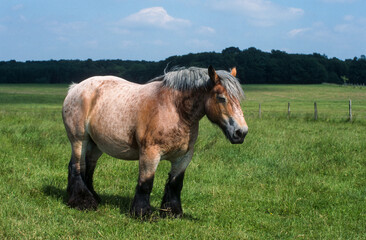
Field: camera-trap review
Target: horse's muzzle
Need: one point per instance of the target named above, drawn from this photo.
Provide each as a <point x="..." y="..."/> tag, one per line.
<point x="237" y="136"/>
<point x="235" y="133"/>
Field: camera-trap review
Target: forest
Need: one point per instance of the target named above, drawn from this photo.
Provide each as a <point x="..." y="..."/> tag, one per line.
<point x="254" y="67"/>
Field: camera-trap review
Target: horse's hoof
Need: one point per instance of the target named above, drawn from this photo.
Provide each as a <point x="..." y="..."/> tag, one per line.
<point x="171" y="211"/>
<point x="83" y="201"/>
<point x="140" y="212"/>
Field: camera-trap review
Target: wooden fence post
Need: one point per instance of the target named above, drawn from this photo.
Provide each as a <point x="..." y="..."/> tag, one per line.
<point x="315" y="111"/>
<point x="288" y="110"/>
<point x="260" y="113"/>
<point x="350" y="110"/>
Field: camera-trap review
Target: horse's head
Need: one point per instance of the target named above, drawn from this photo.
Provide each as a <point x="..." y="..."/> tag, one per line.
<point x="222" y="105"/>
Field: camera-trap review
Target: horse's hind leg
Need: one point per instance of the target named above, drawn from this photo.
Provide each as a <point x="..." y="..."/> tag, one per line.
<point x="92" y="155"/>
<point x="80" y="196"/>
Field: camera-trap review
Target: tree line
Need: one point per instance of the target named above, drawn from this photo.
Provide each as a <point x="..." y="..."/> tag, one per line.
<point x="254" y="66"/>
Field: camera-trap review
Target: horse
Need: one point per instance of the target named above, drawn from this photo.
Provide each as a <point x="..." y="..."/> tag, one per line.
<point x="147" y="122"/>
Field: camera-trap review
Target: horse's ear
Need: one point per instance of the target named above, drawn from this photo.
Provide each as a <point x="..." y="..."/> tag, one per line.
<point x="233" y="71"/>
<point x="213" y="75"/>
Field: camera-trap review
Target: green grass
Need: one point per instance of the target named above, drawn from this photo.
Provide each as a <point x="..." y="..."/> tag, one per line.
<point x="332" y="101"/>
<point x="292" y="178"/>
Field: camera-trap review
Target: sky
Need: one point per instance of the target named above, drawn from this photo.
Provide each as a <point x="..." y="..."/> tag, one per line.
<point x="153" y="30"/>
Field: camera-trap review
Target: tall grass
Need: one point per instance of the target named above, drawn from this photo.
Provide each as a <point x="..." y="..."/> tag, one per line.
<point x="292" y="178"/>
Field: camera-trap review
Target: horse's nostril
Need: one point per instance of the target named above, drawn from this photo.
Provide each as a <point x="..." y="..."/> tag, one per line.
<point x="239" y="133"/>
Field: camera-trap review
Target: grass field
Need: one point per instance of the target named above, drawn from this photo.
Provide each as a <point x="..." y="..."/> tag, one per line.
<point x="291" y="179"/>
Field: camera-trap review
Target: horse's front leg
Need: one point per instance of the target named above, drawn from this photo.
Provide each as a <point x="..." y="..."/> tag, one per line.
<point x="148" y="163"/>
<point x="171" y="204"/>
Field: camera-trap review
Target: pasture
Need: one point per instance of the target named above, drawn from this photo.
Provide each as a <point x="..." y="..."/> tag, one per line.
<point x="291" y="179"/>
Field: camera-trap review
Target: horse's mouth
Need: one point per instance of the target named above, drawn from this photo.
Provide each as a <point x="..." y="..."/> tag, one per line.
<point x="235" y="137"/>
<point x="235" y="140"/>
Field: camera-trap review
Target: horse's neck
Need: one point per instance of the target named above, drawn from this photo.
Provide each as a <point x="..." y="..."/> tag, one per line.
<point x="190" y="106"/>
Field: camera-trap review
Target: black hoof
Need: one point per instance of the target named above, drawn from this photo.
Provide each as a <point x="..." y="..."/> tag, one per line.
<point x="140" y="212"/>
<point x="80" y="197"/>
<point x="83" y="201"/>
<point x="171" y="210"/>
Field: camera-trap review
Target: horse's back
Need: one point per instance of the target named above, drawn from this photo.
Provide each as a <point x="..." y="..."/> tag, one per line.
<point x="93" y="83"/>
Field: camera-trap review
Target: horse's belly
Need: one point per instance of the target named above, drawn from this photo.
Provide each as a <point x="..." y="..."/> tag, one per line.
<point x="116" y="140"/>
<point x="125" y="153"/>
<point x="120" y="149"/>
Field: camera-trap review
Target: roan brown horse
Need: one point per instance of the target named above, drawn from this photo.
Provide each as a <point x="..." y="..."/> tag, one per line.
<point x="150" y="122"/>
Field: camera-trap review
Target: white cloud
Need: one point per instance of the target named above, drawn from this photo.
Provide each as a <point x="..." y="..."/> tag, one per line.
<point x="263" y="13"/>
<point x="347" y="37"/>
<point x="155" y="17"/>
<point x="206" y="30"/>
<point x="343" y="28"/>
<point x="318" y="31"/>
<point x="297" y="32"/>
<point x="295" y="11"/>
<point x="356" y="26"/>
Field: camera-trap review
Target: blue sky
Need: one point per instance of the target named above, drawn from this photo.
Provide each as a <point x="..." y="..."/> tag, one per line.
<point x="157" y="29"/>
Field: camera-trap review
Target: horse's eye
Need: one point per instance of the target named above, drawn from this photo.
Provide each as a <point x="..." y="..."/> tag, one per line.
<point x="221" y="98"/>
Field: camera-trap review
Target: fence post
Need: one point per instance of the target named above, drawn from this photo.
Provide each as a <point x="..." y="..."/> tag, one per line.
<point x="315" y="111"/>
<point x="350" y="110"/>
<point x="288" y="110"/>
<point x="260" y="113"/>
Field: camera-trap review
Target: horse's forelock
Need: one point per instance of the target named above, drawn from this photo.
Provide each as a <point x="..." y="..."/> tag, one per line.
<point x="231" y="84"/>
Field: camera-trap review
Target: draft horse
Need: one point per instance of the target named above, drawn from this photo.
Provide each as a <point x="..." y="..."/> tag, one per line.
<point x="150" y="122"/>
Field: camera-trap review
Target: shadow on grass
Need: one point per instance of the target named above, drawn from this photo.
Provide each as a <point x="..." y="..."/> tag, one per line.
<point x="55" y="192"/>
<point x="121" y="202"/>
